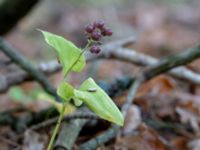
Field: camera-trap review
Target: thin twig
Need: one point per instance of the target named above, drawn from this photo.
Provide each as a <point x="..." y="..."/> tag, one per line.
<point x="172" y="62"/>
<point x="164" y="66"/>
<point x="68" y="134"/>
<point x="132" y="92"/>
<point x="132" y="56"/>
<point x="66" y="118"/>
<point x="23" y="63"/>
<point x="48" y="68"/>
<point x="110" y="50"/>
<point x="18" y="77"/>
<point x="142" y="59"/>
<point x="114" y="129"/>
<point x="20" y="60"/>
<point x="51" y="67"/>
<point x="100" y="139"/>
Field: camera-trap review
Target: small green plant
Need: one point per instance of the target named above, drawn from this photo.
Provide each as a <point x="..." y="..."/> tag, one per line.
<point x="72" y="59"/>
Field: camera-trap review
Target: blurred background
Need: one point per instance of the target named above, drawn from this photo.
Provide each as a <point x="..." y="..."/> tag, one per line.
<point x="161" y="28"/>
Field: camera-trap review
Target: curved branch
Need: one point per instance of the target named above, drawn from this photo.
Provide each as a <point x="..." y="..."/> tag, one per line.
<point x="163" y="66"/>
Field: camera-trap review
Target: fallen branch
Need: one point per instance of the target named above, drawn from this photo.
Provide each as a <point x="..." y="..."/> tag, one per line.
<point x="106" y="55"/>
<point x="164" y="66"/>
<point x="132" y="56"/>
<point x="173" y="61"/>
<point x="52" y="121"/>
<point x="24" y="64"/>
<point x="99" y="140"/>
<point x="114" y="129"/>
<point x="113" y="89"/>
<point x="21" y="61"/>
<point x="47" y="68"/>
<point x="110" y="50"/>
<point x="69" y="134"/>
<point x="19" y="77"/>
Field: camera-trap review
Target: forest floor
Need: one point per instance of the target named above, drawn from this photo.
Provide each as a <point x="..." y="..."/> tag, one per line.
<point x="165" y="114"/>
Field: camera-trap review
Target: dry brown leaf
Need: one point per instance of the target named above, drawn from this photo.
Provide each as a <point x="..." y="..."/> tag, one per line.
<point x="189" y="101"/>
<point x="179" y="143"/>
<point x="133" y="119"/>
<point x="160" y="84"/>
<point x="162" y="106"/>
<point x="147" y="139"/>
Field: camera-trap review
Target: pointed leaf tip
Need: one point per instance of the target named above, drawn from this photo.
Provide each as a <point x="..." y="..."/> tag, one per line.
<point x="99" y="102"/>
<point x="67" y="52"/>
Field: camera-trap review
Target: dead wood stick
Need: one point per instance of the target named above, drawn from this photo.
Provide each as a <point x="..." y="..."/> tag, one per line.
<point x="165" y="65"/>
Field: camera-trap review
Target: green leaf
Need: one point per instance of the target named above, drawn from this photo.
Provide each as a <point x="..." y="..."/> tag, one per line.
<point x="50" y="99"/>
<point x="99" y="102"/>
<point x="77" y="102"/>
<point x="65" y="91"/>
<point x="67" y="52"/>
<point x="18" y="94"/>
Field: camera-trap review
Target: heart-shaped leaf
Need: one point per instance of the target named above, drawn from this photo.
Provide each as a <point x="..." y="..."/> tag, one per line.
<point x="67" y="52"/>
<point x="99" y="102"/>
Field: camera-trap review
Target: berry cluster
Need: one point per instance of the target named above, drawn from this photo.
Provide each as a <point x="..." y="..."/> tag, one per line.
<point x="95" y="32"/>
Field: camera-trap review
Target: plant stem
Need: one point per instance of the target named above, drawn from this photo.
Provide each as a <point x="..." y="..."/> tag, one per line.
<point x="84" y="49"/>
<point x="64" y="104"/>
<point x="57" y="127"/>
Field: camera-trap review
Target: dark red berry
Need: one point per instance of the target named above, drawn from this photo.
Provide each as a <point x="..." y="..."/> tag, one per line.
<point x="96" y="35"/>
<point x="94" y="24"/>
<point x="100" y="24"/>
<point x="98" y="50"/>
<point x="95" y="49"/>
<point x="89" y="28"/>
<point x="103" y="32"/>
<point x="96" y="30"/>
<point x="108" y="32"/>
